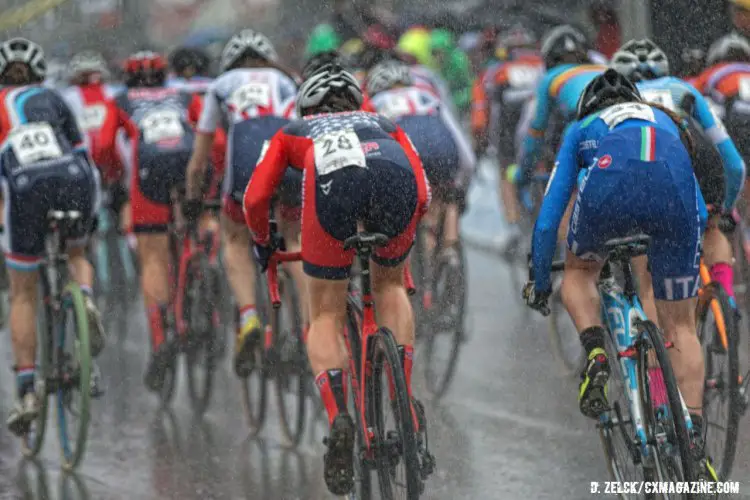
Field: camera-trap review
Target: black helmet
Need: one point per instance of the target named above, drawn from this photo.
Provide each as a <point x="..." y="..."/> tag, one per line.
<point x="319" y="61"/>
<point x="605" y="90"/>
<point x="184" y="58"/>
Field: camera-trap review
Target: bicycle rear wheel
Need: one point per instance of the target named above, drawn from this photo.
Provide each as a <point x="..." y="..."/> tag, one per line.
<point x="446" y="326"/>
<point x="395" y="443"/>
<point x="74" y="375"/>
<point x="32" y="442"/>
<point x="255" y="386"/>
<point x="663" y="410"/>
<point x="722" y="405"/>
<point x="198" y="309"/>
<point x="292" y="372"/>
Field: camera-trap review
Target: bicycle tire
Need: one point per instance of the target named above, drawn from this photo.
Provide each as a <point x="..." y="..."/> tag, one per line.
<point x="386" y="363"/>
<point x="568" y="352"/>
<point x="451" y="298"/>
<point x="728" y="384"/>
<point x="32" y="442"/>
<point x="255" y="395"/>
<point x="198" y="307"/>
<point x="651" y="339"/>
<point x="73" y="300"/>
<point x="291" y="362"/>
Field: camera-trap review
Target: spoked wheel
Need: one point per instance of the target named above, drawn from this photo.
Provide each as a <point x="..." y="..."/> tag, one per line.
<point x="396" y="449"/>
<point x="291" y="367"/>
<point x="255" y="386"/>
<point x="617" y="430"/>
<point x="663" y="411"/>
<point x="198" y="311"/>
<point x="563" y="336"/>
<point x="446" y="327"/>
<point x="73" y="359"/>
<point x="362" y="466"/>
<point x="32" y="441"/>
<point x="721" y="394"/>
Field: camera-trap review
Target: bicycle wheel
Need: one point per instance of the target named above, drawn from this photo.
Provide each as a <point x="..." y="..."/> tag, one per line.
<point x="722" y="405"/>
<point x="446" y="326"/>
<point x="198" y="311"/>
<point x="395" y="443"/>
<point x="32" y="442"/>
<point x="74" y="371"/>
<point x="255" y="386"/>
<point x="617" y="429"/>
<point x="292" y="371"/>
<point x="563" y="336"/>
<point x="663" y="413"/>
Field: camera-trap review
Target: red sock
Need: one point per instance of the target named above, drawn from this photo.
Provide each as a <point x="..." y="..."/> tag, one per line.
<point x="723" y="274"/>
<point x="156" y="324"/>
<point x="332" y="387"/>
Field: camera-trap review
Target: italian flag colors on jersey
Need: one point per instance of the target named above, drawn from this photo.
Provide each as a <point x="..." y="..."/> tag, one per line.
<point x="648" y="143"/>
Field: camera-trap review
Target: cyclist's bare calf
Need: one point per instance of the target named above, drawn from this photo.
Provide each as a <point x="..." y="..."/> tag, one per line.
<point x="327" y="322"/>
<point x="239" y="266"/>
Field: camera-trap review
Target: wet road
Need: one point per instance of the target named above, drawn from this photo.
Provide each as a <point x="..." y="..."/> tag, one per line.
<point x="509" y="428"/>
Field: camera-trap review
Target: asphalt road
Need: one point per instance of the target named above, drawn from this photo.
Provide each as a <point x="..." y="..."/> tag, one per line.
<point x="509" y="428"/>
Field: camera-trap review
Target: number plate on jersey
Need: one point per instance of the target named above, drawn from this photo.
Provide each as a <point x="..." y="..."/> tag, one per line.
<point x="337" y="150"/>
<point x="659" y="97"/>
<point x="92" y="117"/>
<point x="34" y="142"/>
<point x="522" y="76"/>
<point x="396" y="106"/>
<point x="614" y="115"/>
<point x="744" y="89"/>
<point x="162" y="125"/>
<point x="251" y="95"/>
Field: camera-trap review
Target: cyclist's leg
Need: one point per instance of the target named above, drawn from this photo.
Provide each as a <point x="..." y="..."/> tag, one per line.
<point x="645" y="288"/>
<point x="289" y="214"/>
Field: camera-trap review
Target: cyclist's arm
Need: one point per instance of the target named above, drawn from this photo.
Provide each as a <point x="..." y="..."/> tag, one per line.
<point x="734" y="166"/>
<point x="70" y="127"/>
<point x="203" y="144"/>
<point x="424" y="194"/>
<point x="266" y="177"/>
<point x="466" y="158"/>
<point x="560" y="187"/>
<point x="532" y="143"/>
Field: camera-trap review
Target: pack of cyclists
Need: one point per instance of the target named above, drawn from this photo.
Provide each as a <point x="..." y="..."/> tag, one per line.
<point x="329" y="154"/>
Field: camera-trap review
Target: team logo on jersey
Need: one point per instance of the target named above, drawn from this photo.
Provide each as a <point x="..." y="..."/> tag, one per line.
<point x="604" y="162"/>
<point x="368" y="147"/>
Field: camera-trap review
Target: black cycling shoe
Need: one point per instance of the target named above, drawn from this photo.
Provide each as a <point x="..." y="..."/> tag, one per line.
<point x="160" y="360"/>
<point x="338" y="469"/>
<point x="592" y="394"/>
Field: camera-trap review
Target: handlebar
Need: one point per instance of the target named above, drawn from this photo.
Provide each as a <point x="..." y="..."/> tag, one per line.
<point x="273" y="274"/>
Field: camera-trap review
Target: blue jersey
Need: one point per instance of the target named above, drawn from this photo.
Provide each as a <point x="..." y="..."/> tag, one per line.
<point x="670" y="93"/>
<point x="579" y="151"/>
<point x="559" y="89"/>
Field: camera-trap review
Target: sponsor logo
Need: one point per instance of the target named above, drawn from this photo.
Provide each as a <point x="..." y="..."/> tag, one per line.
<point x="326" y="188"/>
<point x="368" y="147"/>
<point x="604" y="162"/>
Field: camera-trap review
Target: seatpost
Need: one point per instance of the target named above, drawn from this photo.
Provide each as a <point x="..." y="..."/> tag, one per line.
<point x="364" y="263"/>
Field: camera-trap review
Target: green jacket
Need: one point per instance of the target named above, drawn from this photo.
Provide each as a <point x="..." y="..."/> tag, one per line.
<point x="454" y="67"/>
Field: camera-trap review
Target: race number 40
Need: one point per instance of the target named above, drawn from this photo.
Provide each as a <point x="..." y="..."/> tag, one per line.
<point x="34" y="142"/>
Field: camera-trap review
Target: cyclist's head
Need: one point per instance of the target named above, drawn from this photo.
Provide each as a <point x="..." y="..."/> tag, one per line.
<point x="188" y="62"/>
<point x="87" y="67"/>
<point x="606" y="90"/>
<point x="517" y="37"/>
<point x="386" y="75"/>
<point x="21" y="62"/>
<point x="640" y="60"/>
<point x="249" y="49"/>
<point x="330" y="90"/>
<point x="741" y="15"/>
<point x="693" y="60"/>
<point x="729" y="48"/>
<point x="145" y="69"/>
<point x="564" y="45"/>
<point x="319" y="61"/>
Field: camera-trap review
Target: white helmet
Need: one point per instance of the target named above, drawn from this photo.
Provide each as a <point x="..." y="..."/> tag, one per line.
<point x="387" y="74"/>
<point x="88" y="61"/>
<point x="243" y="42"/>
<point x="24" y="51"/>
<point x="328" y="82"/>
<point x="727" y="48"/>
<point x="640" y="60"/>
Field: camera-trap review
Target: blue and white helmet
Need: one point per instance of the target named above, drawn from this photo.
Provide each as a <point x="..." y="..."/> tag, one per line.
<point x="244" y="42"/>
<point x="387" y="74"/>
<point x="640" y="60"/>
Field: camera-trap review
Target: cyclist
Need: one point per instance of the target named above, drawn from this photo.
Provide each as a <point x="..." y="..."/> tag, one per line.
<point x="447" y="158"/>
<point x="161" y="140"/>
<point x="44" y="166"/>
<point x="190" y="70"/>
<point x="568" y="72"/>
<point x="502" y="94"/>
<point x="359" y="167"/>
<point x="646" y="64"/>
<point x="256" y="99"/>
<point x="637" y="177"/>
<point x="453" y="66"/>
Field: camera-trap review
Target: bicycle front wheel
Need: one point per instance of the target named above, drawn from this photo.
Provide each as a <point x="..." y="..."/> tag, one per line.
<point x="32" y="442"/>
<point x="722" y="401"/>
<point x="255" y="386"/>
<point x="73" y="368"/>
<point x="396" y="451"/>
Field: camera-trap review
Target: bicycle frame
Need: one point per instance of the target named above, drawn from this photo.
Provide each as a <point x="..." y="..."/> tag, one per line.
<point x="715" y="307"/>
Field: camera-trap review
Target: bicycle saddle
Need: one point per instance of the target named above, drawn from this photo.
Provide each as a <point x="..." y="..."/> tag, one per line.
<point x="621" y="249"/>
<point x="365" y="241"/>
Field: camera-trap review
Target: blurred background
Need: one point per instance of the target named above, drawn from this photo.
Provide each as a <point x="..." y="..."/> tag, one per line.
<point x="116" y="27"/>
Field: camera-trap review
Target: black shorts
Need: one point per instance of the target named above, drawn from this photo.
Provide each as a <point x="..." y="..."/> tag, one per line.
<point x="507" y="124"/>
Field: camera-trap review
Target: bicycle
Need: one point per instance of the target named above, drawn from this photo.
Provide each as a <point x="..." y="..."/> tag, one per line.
<point x="197" y="311"/>
<point x="109" y="241"/>
<point x="64" y="357"/>
<point x="645" y="432"/>
<point x="375" y="361"/>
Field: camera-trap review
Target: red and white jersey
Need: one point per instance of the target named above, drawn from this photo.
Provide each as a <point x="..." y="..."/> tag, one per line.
<point x="247" y="93"/>
<point x="406" y="101"/>
<point x="426" y="79"/>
